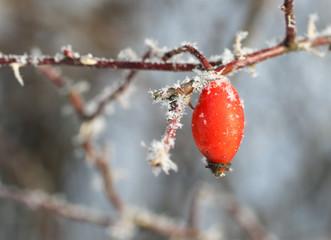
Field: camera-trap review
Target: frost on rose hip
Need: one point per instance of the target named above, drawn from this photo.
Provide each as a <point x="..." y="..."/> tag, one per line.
<point x="218" y="125"/>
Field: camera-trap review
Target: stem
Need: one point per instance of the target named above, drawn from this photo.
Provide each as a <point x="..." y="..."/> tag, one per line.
<point x="251" y="59"/>
<point x="101" y="164"/>
<point x="193" y="51"/>
<point x="290" y="24"/>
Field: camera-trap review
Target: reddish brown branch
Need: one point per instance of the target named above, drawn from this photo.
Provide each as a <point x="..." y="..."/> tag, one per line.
<point x="248" y="60"/>
<point x="161" y="66"/>
<point x="290" y="24"/>
<point x="193" y="51"/>
<point x="120" y="90"/>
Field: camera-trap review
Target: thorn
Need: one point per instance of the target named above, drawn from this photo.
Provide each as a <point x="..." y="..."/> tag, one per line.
<point x="188" y="101"/>
<point x="16" y="70"/>
<point x="311" y="29"/>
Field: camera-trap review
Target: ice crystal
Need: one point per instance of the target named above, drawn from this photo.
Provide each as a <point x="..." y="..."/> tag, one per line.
<point x="127" y="54"/>
<point x="58" y="57"/>
<point x="231" y="93"/>
<point x="122" y="229"/>
<point x="204" y="77"/>
<point x="159" y="158"/>
<point x="153" y="45"/>
<point x="215" y="58"/>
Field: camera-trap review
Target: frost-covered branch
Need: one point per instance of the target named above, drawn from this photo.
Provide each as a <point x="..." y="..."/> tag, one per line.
<point x="41" y="201"/>
<point x="102" y="165"/>
<point x="158" y="153"/>
<point x="190" y="49"/>
<point x="97" y="62"/>
<point x="76" y="98"/>
<point x="249" y="60"/>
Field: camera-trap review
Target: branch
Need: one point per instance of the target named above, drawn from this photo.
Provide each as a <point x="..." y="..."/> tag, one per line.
<point x="158" y="156"/>
<point x="193" y="51"/>
<point x="100" y="63"/>
<point x="247" y="221"/>
<point x="102" y="166"/>
<point x="249" y="60"/>
<point x="290" y="24"/>
<point x="40" y="201"/>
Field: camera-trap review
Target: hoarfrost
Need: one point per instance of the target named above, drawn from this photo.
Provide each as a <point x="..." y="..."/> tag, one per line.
<point x="204" y="77"/>
<point x="127" y="54"/>
<point x="216" y="58"/>
<point x="153" y="45"/>
<point x="123" y="229"/>
<point x="159" y="158"/>
<point x="58" y="57"/>
<point x="227" y="56"/>
<point x="147" y="217"/>
<point x="272" y="42"/>
<point x="35" y="55"/>
<point x="239" y="49"/>
<point x="231" y="93"/>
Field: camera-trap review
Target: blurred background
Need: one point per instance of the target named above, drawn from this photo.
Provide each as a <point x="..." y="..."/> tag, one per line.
<point x="280" y="171"/>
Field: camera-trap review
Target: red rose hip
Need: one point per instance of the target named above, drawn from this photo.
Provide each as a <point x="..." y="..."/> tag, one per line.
<point x="218" y="125"/>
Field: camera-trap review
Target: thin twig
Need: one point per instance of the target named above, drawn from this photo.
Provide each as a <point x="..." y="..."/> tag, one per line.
<point x="123" y="87"/>
<point x="290" y="24"/>
<point x="41" y="201"/>
<point x="160" y="66"/>
<point x="247" y="221"/>
<point x="194" y="217"/>
<point x="103" y="167"/>
<point x="250" y="59"/>
<point x="190" y="49"/>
